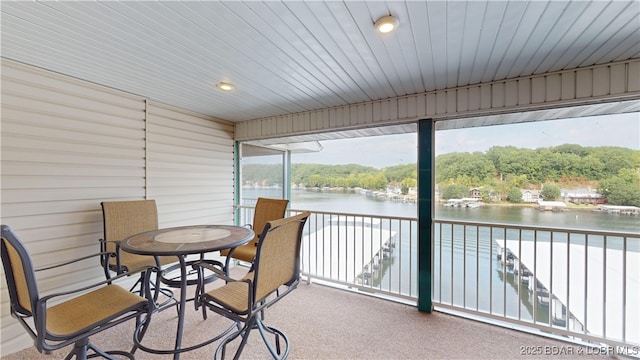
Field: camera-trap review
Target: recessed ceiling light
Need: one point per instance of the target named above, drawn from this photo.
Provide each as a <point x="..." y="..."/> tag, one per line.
<point x="225" y="86"/>
<point x="386" y="24"/>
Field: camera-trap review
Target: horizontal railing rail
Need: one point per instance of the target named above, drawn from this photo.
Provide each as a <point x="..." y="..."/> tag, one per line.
<point x="576" y="283"/>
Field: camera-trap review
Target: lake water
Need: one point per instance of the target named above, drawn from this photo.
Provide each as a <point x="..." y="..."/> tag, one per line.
<point x="467" y="265"/>
<point x="359" y="204"/>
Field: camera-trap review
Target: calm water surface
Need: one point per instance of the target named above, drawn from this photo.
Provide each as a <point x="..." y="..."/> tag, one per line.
<point x="465" y="274"/>
<point x="359" y="204"/>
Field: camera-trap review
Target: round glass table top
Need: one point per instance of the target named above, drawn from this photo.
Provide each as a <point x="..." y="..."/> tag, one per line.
<point x="192" y="235"/>
<point x="185" y="240"/>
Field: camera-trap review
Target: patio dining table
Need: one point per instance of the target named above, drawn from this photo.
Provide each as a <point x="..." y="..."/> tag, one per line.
<point x="181" y="242"/>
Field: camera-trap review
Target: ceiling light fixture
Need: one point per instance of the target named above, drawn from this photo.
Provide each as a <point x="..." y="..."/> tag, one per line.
<point x="386" y="24"/>
<point x="225" y="86"/>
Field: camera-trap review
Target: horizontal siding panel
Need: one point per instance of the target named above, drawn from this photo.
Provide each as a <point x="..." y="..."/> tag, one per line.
<point x="92" y="132"/>
<point x="40" y="142"/>
<point x="159" y="158"/>
<point x="178" y="169"/>
<point x="163" y="111"/>
<point x="54" y="96"/>
<point x="215" y="188"/>
<point x="208" y="200"/>
<point x="219" y="205"/>
<point x="45" y="207"/>
<point x="19" y="167"/>
<point x="192" y="181"/>
<point x="15" y="72"/>
<point x="10" y="182"/>
<point x="62" y="111"/>
<point x="204" y="178"/>
<point x="75" y="239"/>
<point x="215" y="143"/>
<point x="188" y="130"/>
<point x="194" y="148"/>
<point x="97" y="193"/>
<point x="39" y="158"/>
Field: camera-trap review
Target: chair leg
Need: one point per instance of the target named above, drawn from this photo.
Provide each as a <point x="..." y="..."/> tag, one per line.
<point x="256" y="323"/>
<point x="107" y="354"/>
<point x="276" y="353"/>
<point x="140" y="330"/>
<point x="242" y="332"/>
<point x="81" y="348"/>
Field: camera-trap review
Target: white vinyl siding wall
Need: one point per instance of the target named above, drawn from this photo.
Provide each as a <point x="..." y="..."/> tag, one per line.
<point x="190" y="167"/>
<point x="571" y="92"/>
<point x="67" y="145"/>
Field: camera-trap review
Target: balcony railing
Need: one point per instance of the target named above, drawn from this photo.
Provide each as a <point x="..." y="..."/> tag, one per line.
<point x="579" y="284"/>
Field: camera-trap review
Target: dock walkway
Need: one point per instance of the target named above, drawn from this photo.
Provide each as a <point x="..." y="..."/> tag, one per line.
<point x="588" y="281"/>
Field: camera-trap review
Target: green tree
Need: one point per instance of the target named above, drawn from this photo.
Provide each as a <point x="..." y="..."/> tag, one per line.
<point x="454" y="191"/>
<point x="550" y="192"/>
<point x="375" y="181"/>
<point x="515" y="195"/>
<point x="622" y="189"/>
<point x="406" y="184"/>
<point x="398" y="173"/>
<point x="473" y="168"/>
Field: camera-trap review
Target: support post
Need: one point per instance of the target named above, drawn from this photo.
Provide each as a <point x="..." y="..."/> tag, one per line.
<point x="425" y="213"/>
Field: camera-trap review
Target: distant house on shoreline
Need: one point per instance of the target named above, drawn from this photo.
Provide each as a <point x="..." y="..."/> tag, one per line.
<point x="582" y="196"/>
<point x="530" y="196"/>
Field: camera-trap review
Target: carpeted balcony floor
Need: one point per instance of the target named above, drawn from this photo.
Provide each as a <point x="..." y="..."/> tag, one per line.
<point x="328" y="323"/>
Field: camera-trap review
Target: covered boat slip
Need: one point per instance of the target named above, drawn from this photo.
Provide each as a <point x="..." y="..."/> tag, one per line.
<point x="593" y="283"/>
<point x="348" y="248"/>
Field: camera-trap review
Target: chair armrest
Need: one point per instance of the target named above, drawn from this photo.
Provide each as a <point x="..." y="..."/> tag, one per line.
<point x="116" y="254"/>
<point x="103" y="246"/>
<point x="217" y="271"/>
<point x="103" y="253"/>
<point x="206" y="265"/>
<point x="148" y="269"/>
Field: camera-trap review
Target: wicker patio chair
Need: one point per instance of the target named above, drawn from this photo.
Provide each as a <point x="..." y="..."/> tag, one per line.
<point x="266" y="210"/>
<point x="275" y="273"/>
<point x="122" y="219"/>
<point x="70" y="317"/>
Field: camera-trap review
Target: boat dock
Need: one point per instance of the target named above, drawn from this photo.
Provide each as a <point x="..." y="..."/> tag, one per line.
<point x="582" y="284"/>
<point x="618" y="210"/>
<point x="350" y="251"/>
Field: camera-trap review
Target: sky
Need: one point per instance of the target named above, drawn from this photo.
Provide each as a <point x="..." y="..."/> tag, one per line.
<point x="381" y="151"/>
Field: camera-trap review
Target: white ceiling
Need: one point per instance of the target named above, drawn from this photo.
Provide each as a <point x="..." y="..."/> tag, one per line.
<point x="293" y="56"/>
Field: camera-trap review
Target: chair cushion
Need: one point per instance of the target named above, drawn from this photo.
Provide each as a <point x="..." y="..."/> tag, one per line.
<point x="233" y="295"/>
<point x="245" y="253"/>
<point x="87" y="311"/>
<point x="132" y="261"/>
